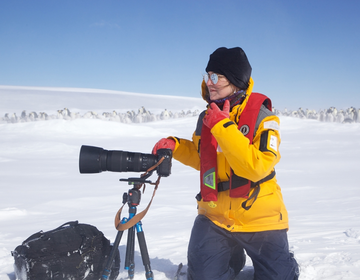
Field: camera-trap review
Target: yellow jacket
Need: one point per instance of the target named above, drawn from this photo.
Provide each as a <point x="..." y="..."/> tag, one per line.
<point x="252" y="161"/>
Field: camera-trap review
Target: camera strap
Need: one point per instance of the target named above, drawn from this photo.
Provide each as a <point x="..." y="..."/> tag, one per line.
<point x="119" y="225"/>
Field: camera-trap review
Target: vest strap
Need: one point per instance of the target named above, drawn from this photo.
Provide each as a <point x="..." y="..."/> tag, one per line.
<point x="224" y="186"/>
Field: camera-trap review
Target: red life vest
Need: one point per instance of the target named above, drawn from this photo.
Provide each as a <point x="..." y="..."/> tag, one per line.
<point x="239" y="186"/>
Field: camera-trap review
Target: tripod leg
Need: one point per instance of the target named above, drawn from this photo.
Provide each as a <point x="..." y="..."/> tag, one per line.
<point x="130" y="248"/>
<point x="144" y="252"/>
<point x="107" y="269"/>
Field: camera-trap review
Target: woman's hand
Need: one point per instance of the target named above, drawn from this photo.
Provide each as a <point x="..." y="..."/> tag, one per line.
<point x="214" y="114"/>
<point x="164" y="143"/>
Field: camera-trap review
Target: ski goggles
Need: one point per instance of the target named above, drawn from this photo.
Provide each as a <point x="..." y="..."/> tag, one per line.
<point x="213" y="77"/>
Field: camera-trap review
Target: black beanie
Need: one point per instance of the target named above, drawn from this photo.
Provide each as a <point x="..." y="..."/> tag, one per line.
<point x="233" y="64"/>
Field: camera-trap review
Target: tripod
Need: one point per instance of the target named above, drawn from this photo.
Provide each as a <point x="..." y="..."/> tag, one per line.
<point x="132" y="198"/>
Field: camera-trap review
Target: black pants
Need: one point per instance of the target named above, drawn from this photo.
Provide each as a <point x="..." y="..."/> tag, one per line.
<point x="217" y="254"/>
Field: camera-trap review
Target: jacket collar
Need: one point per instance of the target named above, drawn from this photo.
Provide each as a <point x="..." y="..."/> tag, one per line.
<point x="236" y="111"/>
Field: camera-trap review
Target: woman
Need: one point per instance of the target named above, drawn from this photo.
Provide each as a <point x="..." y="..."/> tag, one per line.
<point x="236" y="147"/>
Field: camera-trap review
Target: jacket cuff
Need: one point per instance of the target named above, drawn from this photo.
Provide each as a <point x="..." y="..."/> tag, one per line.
<point x="177" y="142"/>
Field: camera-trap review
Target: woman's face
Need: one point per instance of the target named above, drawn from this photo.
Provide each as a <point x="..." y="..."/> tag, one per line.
<point x="221" y="89"/>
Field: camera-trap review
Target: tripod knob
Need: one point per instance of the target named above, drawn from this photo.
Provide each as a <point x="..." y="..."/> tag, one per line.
<point x="125" y="198"/>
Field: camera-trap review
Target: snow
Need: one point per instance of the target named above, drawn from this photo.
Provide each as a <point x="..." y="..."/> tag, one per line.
<point x="41" y="187"/>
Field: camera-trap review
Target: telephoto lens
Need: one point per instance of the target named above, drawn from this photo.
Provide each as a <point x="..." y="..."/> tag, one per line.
<point x="95" y="160"/>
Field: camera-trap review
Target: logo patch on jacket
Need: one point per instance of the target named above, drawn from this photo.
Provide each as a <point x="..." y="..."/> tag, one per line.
<point x="244" y="129"/>
<point x="271" y="125"/>
<point x="273" y="142"/>
<point x="209" y="179"/>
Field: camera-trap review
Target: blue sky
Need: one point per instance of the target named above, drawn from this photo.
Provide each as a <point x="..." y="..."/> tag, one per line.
<point x="303" y="53"/>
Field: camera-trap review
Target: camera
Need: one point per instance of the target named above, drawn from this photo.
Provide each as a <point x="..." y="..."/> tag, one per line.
<point x="96" y="159"/>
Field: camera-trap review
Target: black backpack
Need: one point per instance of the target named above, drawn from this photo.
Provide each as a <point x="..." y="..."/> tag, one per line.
<point x="72" y="251"/>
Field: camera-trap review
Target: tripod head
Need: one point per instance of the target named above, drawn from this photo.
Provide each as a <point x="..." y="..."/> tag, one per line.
<point x="138" y="182"/>
<point x="133" y="196"/>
